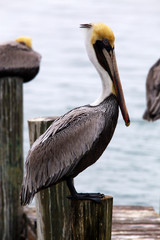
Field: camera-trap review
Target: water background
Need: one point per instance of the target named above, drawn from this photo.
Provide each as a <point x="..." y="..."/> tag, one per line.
<point x="129" y="170"/>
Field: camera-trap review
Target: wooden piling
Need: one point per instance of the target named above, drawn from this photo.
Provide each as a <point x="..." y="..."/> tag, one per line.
<point x="18" y="64"/>
<point x="11" y="157"/>
<point x="64" y="219"/>
<point x="90" y="220"/>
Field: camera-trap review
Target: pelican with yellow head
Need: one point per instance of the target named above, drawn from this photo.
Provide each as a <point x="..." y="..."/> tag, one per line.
<point x="77" y="139"/>
<point x="20" y="61"/>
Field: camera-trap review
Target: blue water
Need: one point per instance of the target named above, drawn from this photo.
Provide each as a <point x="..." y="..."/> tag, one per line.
<point x="129" y="170"/>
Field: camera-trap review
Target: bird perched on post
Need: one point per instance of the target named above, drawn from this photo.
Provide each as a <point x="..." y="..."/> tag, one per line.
<point x="77" y="139"/>
<point x="17" y="58"/>
<point x="152" y="112"/>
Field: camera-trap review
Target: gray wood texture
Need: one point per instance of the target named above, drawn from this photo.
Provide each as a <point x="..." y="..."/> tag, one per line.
<point x="11" y="156"/>
<point x="135" y="222"/>
<point x="128" y="222"/>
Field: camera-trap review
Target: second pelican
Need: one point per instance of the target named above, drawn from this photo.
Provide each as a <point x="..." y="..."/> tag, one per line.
<point x="77" y="139"/>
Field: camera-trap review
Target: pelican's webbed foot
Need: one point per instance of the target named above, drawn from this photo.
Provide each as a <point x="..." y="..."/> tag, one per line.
<point x="96" y="197"/>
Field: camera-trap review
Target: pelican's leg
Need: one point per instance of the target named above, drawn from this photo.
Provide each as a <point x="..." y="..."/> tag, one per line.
<point x="82" y="196"/>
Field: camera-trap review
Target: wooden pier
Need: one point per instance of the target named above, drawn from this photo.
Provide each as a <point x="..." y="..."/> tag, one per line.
<point x="135" y="222"/>
<point x="129" y="222"/>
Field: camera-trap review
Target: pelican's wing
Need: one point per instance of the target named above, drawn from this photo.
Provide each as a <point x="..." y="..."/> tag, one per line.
<point x="153" y="93"/>
<point x="56" y="153"/>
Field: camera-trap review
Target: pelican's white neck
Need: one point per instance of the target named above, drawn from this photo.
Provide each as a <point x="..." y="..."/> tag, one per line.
<point x="107" y="84"/>
<point x="106" y="87"/>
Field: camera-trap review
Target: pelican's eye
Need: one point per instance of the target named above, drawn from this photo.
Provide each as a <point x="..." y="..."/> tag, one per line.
<point x="107" y="44"/>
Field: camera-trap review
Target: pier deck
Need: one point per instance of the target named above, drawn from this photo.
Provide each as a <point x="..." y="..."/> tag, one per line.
<point x="129" y="222"/>
<point x="135" y="222"/>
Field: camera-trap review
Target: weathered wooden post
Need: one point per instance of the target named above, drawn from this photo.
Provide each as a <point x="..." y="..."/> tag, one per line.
<point x="90" y="220"/>
<point x="52" y="207"/>
<point x="64" y="219"/>
<point x="18" y="64"/>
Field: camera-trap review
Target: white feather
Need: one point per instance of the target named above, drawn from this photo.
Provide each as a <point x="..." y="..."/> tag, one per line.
<point x="106" y="80"/>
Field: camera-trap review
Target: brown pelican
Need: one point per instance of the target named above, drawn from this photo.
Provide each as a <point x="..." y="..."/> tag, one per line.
<point x="152" y="112"/>
<point x="78" y="138"/>
<point x="21" y="60"/>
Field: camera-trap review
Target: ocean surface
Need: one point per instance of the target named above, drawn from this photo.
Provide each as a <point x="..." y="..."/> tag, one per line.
<point x="129" y="170"/>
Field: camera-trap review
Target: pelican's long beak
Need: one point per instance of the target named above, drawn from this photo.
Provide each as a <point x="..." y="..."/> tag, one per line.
<point x="119" y="91"/>
<point x="110" y="65"/>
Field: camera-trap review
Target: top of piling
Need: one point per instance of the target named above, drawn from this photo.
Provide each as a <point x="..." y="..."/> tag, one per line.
<point x="18" y="60"/>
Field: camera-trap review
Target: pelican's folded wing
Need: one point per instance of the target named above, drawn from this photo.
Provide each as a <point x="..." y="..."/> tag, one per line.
<point x="56" y="153"/>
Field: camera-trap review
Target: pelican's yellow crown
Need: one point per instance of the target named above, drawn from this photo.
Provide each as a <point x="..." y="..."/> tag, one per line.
<point x="101" y="31"/>
<point x="26" y="40"/>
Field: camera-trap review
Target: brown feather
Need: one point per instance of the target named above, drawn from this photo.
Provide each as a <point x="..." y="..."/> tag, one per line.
<point x="72" y="143"/>
<point x="152" y="112"/>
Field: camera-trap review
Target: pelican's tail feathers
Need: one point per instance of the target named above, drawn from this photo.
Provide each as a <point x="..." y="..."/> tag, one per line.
<point x="26" y="196"/>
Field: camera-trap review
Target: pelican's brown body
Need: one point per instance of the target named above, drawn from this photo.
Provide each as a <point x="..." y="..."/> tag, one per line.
<point x="21" y="60"/>
<point x="77" y="139"/>
<point x="71" y="144"/>
<point x="152" y="112"/>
